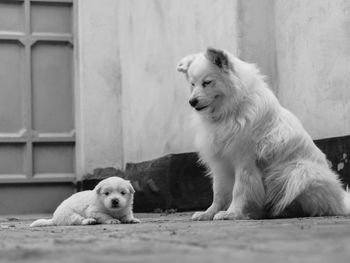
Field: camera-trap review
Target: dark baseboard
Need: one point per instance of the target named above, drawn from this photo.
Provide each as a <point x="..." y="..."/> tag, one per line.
<point x="175" y="182"/>
<point x="337" y="150"/>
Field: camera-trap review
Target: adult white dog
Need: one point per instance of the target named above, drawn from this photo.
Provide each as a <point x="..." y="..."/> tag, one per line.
<point x="262" y="161"/>
<point x="110" y="202"/>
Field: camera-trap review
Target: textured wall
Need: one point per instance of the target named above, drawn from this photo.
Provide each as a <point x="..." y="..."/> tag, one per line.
<point x="256" y="24"/>
<point x="98" y="103"/>
<point x="154" y="35"/>
<point x="133" y="104"/>
<point x="313" y="58"/>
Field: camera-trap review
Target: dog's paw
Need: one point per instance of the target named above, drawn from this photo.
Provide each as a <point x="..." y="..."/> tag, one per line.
<point x="112" y="221"/>
<point x="131" y="221"/>
<point x="228" y="215"/>
<point x="202" y="216"/>
<point x="89" y="221"/>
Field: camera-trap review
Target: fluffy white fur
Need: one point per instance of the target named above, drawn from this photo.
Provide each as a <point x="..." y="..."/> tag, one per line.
<point x="262" y="161"/>
<point x="110" y="202"/>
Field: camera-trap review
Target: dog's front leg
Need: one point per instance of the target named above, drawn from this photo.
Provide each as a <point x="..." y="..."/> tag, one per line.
<point x="222" y="195"/>
<point x="129" y="218"/>
<point x="248" y="195"/>
<point x="102" y="218"/>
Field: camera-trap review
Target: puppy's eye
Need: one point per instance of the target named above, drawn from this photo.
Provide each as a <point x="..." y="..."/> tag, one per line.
<point x="106" y="193"/>
<point x="206" y="83"/>
<point x="122" y="193"/>
<point x="192" y="84"/>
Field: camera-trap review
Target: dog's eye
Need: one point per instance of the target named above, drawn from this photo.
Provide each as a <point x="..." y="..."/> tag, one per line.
<point x="192" y="84"/>
<point x="122" y="193"/>
<point x="106" y="193"/>
<point x="206" y="83"/>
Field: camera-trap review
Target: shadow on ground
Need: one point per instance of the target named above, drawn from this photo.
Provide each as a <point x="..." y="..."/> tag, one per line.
<point x="174" y="238"/>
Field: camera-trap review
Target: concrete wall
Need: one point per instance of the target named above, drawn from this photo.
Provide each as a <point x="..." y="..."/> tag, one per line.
<point x="132" y="104"/>
<point x="313" y="58"/>
<point x="154" y="35"/>
<point x="256" y="24"/>
<point x="98" y="92"/>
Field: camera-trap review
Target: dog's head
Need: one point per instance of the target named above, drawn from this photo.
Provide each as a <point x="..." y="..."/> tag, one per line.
<point x="115" y="193"/>
<point x="214" y="84"/>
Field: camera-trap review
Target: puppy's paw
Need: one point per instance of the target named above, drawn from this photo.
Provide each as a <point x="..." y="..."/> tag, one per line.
<point x="89" y="221"/>
<point x="131" y="221"/>
<point x="112" y="221"/>
<point x="202" y="216"/>
<point x="228" y="215"/>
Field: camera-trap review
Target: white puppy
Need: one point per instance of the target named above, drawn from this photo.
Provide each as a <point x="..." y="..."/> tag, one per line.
<point x="110" y="202"/>
<point x="263" y="162"/>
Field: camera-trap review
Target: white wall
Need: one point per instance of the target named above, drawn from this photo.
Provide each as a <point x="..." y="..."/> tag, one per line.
<point x="98" y="103"/>
<point x="132" y="104"/>
<point x="256" y="22"/>
<point x="154" y="35"/>
<point x="313" y="58"/>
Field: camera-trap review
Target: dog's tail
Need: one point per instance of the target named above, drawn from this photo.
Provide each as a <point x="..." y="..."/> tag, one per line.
<point x="316" y="189"/>
<point x="42" y="222"/>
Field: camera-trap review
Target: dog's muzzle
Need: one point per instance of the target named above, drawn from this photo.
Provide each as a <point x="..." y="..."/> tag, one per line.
<point x="115" y="203"/>
<point x="194" y="103"/>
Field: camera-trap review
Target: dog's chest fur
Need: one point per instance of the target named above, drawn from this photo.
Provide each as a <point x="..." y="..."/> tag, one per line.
<point x="223" y="141"/>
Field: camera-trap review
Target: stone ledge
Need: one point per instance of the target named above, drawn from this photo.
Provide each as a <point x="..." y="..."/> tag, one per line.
<point x="175" y="182"/>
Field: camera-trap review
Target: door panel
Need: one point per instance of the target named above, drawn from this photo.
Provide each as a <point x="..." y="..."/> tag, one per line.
<point x="11" y="83"/>
<point x="51" y="158"/>
<point x="52" y="87"/>
<point x="37" y="126"/>
<point x="51" y="18"/>
<point x="12" y="158"/>
<point x="12" y="16"/>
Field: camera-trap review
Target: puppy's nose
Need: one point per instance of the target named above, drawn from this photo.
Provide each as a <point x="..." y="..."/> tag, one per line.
<point x="193" y="102"/>
<point x="115" y="202"/>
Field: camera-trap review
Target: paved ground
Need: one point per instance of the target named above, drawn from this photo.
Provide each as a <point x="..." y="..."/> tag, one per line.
<point x="174" y="238"/>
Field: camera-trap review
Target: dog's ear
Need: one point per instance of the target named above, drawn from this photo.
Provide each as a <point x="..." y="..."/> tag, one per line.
<point x="98" y="188"/>
<point x="185" y="63"/>
<point x="217" y="57"/>
<point x="131" y="188"/>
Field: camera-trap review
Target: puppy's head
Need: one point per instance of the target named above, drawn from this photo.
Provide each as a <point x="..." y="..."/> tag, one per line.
<point x="211" y="76"/>
<point x="115" y="193"/>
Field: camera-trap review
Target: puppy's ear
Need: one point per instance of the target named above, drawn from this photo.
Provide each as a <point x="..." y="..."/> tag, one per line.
<point x="185" y="63"/>
<point x="217" y="57"/>
<point x="131" y="188"/>
<point x="98" y="188"/>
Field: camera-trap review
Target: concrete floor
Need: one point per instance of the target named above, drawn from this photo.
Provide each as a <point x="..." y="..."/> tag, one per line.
<point x="174" y="238"/>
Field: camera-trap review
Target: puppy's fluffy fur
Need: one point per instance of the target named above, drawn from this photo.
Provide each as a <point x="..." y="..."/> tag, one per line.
<point x="262" y="161"/>
<point x="109" y="203"/>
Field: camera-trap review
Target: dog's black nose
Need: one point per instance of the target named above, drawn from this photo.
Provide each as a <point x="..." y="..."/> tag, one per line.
<point x="115" y="202"/>
<point x="193" y="102"/>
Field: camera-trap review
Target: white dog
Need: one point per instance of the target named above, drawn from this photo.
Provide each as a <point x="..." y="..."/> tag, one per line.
<point x="110" y="202"/>
<point x="262" y="161"/>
